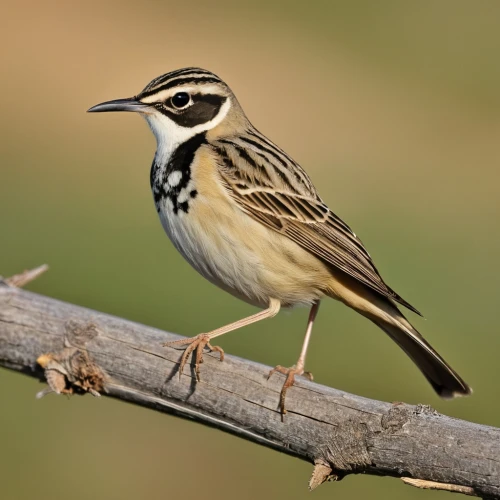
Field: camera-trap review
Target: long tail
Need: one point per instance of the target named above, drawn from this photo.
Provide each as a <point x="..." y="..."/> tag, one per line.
<point x="445" y="381"/>
<point x="384" y="313"/>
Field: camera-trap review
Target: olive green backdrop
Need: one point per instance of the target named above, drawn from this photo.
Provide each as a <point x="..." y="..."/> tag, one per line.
<point x="394" y="110"/>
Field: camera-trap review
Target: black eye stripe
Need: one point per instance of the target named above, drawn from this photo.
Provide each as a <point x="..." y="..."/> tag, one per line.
<point x="204" y="108"/>
<point x="195" y="99"/>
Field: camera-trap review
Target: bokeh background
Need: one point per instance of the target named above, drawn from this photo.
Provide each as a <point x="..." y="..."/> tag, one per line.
<point x="393" y="107"/>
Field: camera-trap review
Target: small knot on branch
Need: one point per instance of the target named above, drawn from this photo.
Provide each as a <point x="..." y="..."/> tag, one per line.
<point x="71" y="371"/>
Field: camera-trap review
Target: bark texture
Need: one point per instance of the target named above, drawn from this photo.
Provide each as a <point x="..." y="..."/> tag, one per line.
<point x="80" y="350"/>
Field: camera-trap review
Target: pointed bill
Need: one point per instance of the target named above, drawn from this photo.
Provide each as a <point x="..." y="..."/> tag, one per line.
<point x="129" y="104"/>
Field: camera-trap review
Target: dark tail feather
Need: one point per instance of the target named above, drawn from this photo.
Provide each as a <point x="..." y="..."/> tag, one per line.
<point x="445" y="381"/>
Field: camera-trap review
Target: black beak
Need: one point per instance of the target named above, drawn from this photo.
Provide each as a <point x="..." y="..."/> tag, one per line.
<point x="130" y="104"/>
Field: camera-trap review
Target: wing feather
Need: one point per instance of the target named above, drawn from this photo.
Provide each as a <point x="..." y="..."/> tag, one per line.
<point x="303" y="218"/>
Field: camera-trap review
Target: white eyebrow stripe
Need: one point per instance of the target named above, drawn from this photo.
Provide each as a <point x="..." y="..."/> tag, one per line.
<point x="190" y="89"/>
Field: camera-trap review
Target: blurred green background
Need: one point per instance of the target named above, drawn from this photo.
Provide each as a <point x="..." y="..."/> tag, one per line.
<point x="393" y="107"/>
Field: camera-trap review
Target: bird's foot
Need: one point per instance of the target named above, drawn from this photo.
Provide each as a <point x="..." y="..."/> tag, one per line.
<point x="289" y="381"/>
<point x="197" y="343"/>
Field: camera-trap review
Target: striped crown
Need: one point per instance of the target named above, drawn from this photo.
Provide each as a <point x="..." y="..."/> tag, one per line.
<point x="180" y="77"/>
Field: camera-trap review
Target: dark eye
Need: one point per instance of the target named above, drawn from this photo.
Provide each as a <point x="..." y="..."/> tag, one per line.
<point x="180" y="100"/>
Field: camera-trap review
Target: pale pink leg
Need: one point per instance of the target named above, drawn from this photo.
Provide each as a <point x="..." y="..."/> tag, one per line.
<point x="298" y="368"/>
<point x="202" y="340"/>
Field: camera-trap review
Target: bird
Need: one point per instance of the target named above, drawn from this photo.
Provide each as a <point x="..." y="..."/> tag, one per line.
<point x="248" y="218"/>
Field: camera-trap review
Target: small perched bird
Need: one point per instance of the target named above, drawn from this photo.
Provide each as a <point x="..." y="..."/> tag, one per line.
<point x="248" y="218"/>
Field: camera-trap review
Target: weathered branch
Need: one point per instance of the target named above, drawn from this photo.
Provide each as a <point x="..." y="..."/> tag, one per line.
<point x="82" y="350"/>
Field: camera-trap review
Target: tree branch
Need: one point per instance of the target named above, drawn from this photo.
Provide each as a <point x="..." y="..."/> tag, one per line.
<point x="82" y="351"/>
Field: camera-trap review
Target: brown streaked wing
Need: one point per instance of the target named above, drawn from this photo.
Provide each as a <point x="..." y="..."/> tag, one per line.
<point x="311" y="224"/>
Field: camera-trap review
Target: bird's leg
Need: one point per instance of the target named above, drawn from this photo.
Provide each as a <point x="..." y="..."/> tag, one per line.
<point x="202" y="340"/>
<point x="298" y="368"/>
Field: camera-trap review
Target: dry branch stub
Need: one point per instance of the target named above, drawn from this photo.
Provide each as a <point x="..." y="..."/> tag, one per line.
<point x="433" y="485"/>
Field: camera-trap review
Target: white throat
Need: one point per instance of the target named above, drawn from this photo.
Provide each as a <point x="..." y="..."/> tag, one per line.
<point x="169" y="135"/>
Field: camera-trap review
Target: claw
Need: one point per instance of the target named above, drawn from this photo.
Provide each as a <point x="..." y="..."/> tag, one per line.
<point x="289" y="381"/>
<point x="197" y="343"/>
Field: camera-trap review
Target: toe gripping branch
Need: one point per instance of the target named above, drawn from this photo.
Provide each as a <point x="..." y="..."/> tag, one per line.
<point x="198" y="344"/>
<point x="290" y="374"/>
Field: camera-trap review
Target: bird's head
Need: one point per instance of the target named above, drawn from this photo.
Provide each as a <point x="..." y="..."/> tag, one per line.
<point x="181" y="104"/>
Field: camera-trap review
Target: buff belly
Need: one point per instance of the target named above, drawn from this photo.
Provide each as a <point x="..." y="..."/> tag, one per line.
<point x="242" y="256"/>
